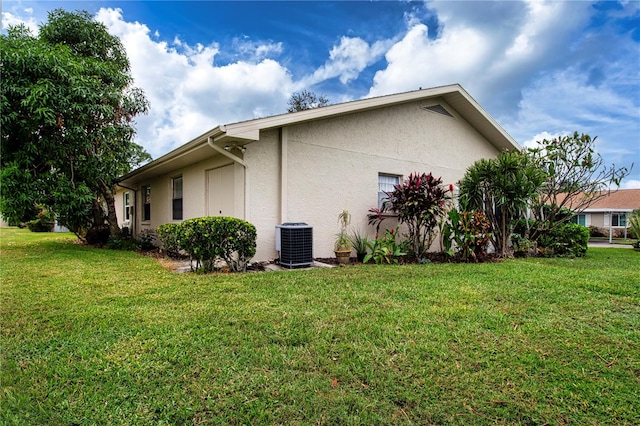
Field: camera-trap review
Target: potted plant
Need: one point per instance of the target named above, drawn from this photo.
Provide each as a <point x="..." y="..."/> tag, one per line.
<point x="359" y="243"/>
<point x="342" y="247"/>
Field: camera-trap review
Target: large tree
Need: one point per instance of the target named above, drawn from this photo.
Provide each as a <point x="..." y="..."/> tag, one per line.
<point x="576" y="176"/>
<point x="67" y="105"/>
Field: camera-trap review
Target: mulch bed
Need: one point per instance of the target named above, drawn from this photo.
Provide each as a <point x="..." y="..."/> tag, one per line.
<point x="409" y="260"/>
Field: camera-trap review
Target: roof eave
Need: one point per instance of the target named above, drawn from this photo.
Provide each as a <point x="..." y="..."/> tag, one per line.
<point x="179" y="152"/>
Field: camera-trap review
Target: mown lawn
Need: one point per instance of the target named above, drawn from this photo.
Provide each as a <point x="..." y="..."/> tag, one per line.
<point x="94" y="336"/>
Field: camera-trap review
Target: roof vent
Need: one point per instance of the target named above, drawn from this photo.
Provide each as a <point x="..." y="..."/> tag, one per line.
<point x="437" y="108"/>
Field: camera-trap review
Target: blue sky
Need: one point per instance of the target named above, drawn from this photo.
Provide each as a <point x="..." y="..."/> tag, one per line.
<point x="541" y="69"/>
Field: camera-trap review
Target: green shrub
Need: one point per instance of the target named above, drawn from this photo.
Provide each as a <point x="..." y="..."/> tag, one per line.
<point x="98" y="235"/>
<point x="386" y="249"/>
<point x="43" y="223"/>
<point x="566" y="239"/>
<point x="634" y="224"/>
<point x="125" y="243"/>
<point x="209" y="239"/>
<point x="169" y="234"/>
<point x="419" y="201"/>
<point x="594" y="231"/>
<point x="466" y="234"/>
<point x="146" y="239"/>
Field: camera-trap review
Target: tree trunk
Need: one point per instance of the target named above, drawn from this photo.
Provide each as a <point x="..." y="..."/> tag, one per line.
<point x="112" y="218"/>
<point x="98" y="214"/>
<point x="503" y="226"/>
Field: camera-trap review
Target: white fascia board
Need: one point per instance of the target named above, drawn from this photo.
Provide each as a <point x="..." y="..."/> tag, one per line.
<point x="176" y="153"/>
<point x="453" y="94"/>
<point x="246" y="127"/>
<point x="606" y="211"/>
<point x="247" y="134"/>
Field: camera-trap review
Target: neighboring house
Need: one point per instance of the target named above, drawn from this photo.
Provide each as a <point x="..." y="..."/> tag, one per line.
<point x="610" y="213"/>
<point x="308" y="166"/>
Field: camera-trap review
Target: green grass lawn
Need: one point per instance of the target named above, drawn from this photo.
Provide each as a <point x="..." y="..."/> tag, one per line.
<point x="94" y="336"/>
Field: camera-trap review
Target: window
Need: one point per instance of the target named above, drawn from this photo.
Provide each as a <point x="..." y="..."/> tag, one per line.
<point x="580" y="219"/>
<point x="146" y="194"/>
<point x="127" y="206"/>
<point x="619" y="219"/>
<point x="386" y="183"/>
<point x="176" y="187"/>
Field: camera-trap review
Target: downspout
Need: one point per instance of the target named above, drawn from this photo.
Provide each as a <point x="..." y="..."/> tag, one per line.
<point x="135" y="208"/>
<point x="240" y="161"/>
<point x="284" y="174"/>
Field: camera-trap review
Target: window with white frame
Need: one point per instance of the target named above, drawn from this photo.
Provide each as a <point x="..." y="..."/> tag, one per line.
<point x="127" y="206"/>
<point x="615" y="220"/>
<point x="580" y="219"/>
<point x="619" y="219"/>
<point x="146" y="211"/>
<point x="176" y="188"/>
<point x="386" y="183"/>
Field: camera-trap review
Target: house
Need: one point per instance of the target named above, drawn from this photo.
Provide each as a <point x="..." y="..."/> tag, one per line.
<point x="610" y="213"/>
<point x="308" y="166"/>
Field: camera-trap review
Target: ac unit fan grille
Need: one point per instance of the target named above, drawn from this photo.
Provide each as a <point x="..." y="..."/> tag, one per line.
<point x="296" y="246"/>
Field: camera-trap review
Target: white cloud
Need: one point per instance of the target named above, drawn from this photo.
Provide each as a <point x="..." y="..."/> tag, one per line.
<point x="417" y="61"/>
<point x="536" y="66"/>
<point x="257" y="50"/>
<point x="534" y="142"/>
<point x="564" y="102"/>
<point x="630" y="184"/>
<point x="189" y="94"/>
<point x="12" y="19"/>
<point x="539" y="67"/>
<point x="487" y="47"/>
<point x="347" y="60"/>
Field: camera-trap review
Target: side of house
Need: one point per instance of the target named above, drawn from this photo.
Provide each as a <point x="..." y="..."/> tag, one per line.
<point x="309" y="166"/>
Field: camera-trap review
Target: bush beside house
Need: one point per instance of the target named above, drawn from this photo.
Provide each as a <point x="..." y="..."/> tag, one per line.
<point x="211" y="239"/>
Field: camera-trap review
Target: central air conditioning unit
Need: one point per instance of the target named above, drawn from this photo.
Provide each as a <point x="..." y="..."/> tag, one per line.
<point x="294" y="242"/>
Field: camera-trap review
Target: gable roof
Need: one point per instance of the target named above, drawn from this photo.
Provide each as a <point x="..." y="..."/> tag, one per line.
<point x="620" y="200"/>
<point x="247" y="131"/>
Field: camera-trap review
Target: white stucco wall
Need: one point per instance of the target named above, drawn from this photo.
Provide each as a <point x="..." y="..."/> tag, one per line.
<point x="331" y="165"/>
<point x="334" y="164"/>
<point x="194" y="193"/>
<point x="263" y="161"/>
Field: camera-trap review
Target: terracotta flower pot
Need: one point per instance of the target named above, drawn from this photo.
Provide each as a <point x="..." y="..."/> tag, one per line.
<point x="343" y="256"/>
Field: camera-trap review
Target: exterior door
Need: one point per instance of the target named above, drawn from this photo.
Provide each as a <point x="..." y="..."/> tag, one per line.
<point x="221" y="191"/>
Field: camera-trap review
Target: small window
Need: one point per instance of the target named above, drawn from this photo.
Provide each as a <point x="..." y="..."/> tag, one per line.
<point x="176" y="185"/>
<point x="386" y="183"/>
<point x="619" y="219"/>
<point x="127" y="206"/>
<point x="580" y="219"/>
<point x="146" y="194"/>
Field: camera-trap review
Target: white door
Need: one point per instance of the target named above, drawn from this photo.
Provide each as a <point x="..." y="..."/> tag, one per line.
<point x="221" y="191"/>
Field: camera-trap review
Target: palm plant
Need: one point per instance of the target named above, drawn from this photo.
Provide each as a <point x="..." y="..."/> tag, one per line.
<point x="359" y="242"/>
<point x="634" y="226"/>
<point x="342" y="238"/>
<point x="502" y="188"/>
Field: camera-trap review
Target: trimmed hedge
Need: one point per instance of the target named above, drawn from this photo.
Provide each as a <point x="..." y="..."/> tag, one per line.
<point x="168" y="234"/>
<point x="210" y="239"/>
<point x="566" y="239"/>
